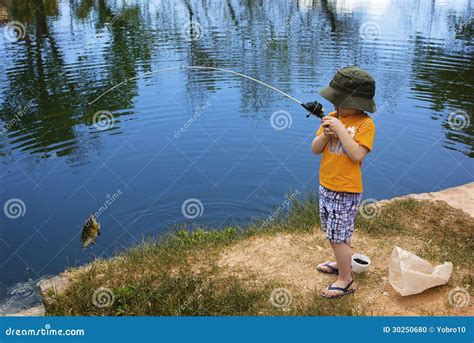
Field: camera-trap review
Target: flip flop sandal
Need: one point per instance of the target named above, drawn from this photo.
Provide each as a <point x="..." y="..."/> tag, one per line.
<point x="345" y="291"/>
<point x="332" y="270"/>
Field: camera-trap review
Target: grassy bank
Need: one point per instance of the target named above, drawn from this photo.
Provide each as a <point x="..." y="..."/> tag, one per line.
<point x="184" y="273"/>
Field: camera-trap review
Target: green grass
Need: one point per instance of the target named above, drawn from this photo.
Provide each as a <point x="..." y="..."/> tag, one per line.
<point x="346" y="306"/>
<point x="392" y="219"/>
<point x="177" y="274"/>
<point x="459" y="251"/>
<point x="447" y="232"/>
<point x="182" y="294"/>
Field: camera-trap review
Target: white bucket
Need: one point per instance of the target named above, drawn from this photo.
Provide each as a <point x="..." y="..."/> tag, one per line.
<point x="360" y="267"/>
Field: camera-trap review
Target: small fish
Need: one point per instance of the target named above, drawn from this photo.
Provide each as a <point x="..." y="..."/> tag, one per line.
<point x="90" y="231"/>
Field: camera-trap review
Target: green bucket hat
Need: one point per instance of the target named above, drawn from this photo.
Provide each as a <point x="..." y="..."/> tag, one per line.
<point x="351" y="87"/>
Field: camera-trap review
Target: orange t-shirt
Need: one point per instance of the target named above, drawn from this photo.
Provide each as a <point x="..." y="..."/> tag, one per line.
<point x="337" y="171"/>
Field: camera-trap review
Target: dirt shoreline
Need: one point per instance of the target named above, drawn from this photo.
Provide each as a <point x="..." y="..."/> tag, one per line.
<point x="277" y="256"/>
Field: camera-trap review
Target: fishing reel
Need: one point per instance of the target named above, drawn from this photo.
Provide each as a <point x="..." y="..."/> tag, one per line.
<point x="314" y="108"/>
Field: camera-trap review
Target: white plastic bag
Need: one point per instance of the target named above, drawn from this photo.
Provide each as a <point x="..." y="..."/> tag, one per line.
<point x="409" y="274"/>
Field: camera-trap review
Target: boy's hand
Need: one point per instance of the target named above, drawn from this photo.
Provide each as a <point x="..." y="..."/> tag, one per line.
<point x="328" y="132"/>
<point x="333" y="124"/>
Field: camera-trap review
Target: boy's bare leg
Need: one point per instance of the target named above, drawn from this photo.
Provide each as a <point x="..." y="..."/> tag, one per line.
<point x="343" y="254"/>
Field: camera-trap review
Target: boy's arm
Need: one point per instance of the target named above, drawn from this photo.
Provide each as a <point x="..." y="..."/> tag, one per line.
<point x="319" y="143"/>
<point x="354" y="150"/>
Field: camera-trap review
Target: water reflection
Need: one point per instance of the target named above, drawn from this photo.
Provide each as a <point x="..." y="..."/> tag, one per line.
<point x="442" y="75"/>
<point x="62" y="166"/>
<point x="45" y="97"/>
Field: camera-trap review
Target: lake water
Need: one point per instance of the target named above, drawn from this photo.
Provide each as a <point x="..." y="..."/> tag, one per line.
<point x="208" y="136"/>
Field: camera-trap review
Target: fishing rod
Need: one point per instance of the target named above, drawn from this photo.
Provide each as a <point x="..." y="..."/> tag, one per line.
<point x="314" y="108"/>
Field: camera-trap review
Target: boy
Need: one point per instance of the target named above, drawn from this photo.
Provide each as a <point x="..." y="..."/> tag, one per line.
<point x="345" y="138"/>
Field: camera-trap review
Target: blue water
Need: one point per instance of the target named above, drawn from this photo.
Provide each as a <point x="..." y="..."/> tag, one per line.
<point x="227" y="154"/>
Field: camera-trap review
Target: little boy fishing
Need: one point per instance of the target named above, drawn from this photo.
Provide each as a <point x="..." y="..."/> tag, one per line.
<point x="345" y="138"/>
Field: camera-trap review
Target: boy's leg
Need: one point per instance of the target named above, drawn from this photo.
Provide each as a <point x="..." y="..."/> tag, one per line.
<point x="323" y="215"/>
<point x="343" y="254"/>
<point x="338" y="212"/>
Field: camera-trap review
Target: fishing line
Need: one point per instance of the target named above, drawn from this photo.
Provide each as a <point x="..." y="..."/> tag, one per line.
<point x="314" y="108"/>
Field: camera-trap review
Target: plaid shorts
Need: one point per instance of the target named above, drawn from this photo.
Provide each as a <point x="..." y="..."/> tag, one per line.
<point x="338" y="211"/>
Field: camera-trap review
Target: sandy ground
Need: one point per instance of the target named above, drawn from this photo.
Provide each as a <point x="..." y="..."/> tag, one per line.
<point x="292" y="260"/>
